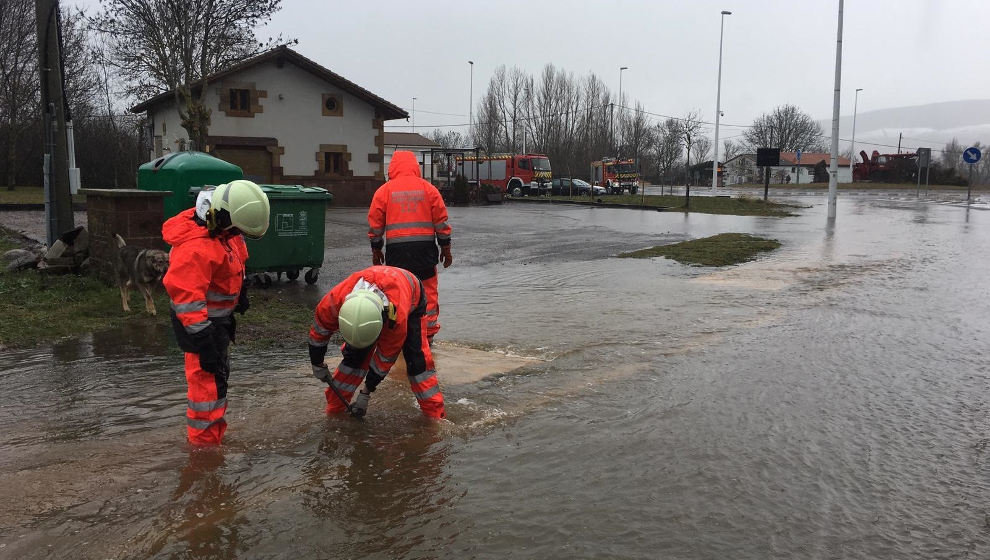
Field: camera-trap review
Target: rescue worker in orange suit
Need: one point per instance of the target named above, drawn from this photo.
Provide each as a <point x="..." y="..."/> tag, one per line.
<point x="205" y="284"/>
<point x="409" y="219"/>
<point x="379" y="311"/>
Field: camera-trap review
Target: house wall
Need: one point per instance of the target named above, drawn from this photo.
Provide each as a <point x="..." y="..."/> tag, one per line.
<point x="292" y="113"/>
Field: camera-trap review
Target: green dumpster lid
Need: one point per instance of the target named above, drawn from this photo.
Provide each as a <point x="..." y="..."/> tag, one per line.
<point x="285" y="191"/>
<point x="294" y="191"/>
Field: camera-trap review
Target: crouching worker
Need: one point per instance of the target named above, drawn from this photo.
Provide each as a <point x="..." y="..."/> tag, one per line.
<point x="379" y="312"/>
<point x="205" y="283"/>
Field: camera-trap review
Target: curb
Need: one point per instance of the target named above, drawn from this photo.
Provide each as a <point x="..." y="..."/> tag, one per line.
<point x="596" y="204"/>
<point x="76" y="207"/>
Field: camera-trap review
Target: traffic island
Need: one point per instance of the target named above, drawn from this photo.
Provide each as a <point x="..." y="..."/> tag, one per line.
<point x="718" y="250"/>
<point x="740" y="206"/>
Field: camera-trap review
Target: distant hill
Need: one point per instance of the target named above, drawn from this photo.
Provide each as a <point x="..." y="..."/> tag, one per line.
<point x="929" y="125"/>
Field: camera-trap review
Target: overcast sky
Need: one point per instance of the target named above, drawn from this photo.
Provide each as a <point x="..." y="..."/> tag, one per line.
<point x="903" y="52"/>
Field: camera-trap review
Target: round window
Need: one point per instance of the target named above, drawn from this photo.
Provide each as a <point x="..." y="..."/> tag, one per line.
<point x="330" y="104"/>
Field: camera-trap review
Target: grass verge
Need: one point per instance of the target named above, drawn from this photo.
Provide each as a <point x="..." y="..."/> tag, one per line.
<point x="718" y="250"/>
<point x="38" y="308"/>
<point x="29" y="195"/>
<point x="736" y="206"/>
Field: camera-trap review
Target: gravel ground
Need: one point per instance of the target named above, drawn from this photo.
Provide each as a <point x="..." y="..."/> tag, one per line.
<point x="32" y="222"/>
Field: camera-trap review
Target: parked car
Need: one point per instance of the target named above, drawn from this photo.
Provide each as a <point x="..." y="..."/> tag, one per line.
<point x="565" y="186"/>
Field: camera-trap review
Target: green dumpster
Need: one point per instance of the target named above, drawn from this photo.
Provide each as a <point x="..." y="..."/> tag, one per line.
<point x="179" y="171"/>
<point x="295" y="236"/>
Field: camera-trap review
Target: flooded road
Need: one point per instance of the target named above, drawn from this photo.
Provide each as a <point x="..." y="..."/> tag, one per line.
<point x="825" y="401"/>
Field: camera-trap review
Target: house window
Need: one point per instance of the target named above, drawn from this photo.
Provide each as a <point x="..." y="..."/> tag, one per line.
<point x="333" y="105"/>
<point x="333" y="163"/>
<point x="240" y="100"/>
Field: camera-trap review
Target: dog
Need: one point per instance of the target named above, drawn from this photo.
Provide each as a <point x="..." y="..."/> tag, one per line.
<point x="140" y="268"/>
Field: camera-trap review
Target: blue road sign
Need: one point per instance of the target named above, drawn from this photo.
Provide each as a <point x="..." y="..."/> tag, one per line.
<point x="971" y="155"/>
<point x="799" y="155"/>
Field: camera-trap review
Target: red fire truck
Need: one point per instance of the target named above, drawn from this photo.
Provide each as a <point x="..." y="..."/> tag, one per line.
<point x="516" y="175"/>
<point x="616" y="175"/>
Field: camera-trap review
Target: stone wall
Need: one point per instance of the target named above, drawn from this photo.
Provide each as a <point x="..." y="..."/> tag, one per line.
<point x="135" y="215"/>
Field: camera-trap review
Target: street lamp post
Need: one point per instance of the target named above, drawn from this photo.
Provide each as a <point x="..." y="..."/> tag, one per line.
<point x="718" y="101"/>
<point x="853" y="148"/>
<point x="617" y="143"/>
<point x="613" y="113"/>
<point x="833" y="168"/>
<point x="414" y="115"/>
<point x="471" y="105"/>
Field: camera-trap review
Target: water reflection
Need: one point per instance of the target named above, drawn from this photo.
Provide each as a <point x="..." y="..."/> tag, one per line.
<point x="204" y="519"/>
<point x="382" y="489"/>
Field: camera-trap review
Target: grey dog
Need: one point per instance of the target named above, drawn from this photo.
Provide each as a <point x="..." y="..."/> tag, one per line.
<point x="141" y="268"/>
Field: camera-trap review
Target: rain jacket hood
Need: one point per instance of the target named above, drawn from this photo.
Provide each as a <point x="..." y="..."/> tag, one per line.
<point x="182" y="227"/>
<point x="404" y="164"/>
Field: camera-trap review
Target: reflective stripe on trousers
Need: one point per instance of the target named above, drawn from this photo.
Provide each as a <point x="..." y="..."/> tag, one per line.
<point x="431" y="287"/>
<point x="206" y="403"/>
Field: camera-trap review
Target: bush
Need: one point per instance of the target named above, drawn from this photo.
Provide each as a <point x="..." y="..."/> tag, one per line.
<point x="461" y="191"/>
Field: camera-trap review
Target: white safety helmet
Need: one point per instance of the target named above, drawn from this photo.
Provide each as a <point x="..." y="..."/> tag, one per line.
<point x="240" y="204"/>
<point x="361" y="318"/>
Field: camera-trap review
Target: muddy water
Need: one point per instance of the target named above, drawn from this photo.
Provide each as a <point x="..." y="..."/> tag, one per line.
<point x="826" y="401"/>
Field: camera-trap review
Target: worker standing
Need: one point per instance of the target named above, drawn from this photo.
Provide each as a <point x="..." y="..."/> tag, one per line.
<point x="409" y="219"/>
<point x="379" y="311"/>
<point x="205" y="284"/>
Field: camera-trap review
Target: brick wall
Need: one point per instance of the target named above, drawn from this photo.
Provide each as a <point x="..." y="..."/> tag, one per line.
<point x="135" y="215"/>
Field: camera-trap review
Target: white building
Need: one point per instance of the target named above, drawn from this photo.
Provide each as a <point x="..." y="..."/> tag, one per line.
<point x="413" y="142"/>
<point x="813" y="168"/>
<point x="285" y="119"/>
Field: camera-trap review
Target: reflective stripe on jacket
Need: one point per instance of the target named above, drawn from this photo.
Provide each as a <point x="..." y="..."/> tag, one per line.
<point x="204" y="274"/>
<point x="407" y="208"/>
<point x="402" y="289"/>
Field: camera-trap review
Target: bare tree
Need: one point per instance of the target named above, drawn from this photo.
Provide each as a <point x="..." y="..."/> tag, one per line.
<point x="19" y="85"/>
<point x="174" y="45"/>
<point x="730" y="150"/>
<point x="787" y="128"/>
<point x="635" y="130"/>
<point x="448" y="138"/>
<point x="690" y="128"/>
<point x="702" y="147"/>
<point x="668" y="146"/>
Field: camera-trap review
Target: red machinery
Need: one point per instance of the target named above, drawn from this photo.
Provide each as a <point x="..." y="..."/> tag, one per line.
<point x="886" y="168"/>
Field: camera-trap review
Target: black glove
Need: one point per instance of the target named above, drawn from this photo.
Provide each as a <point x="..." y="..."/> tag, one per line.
<point x="242" y="300"/>
<point x="316" y="354"/>
<point x="210" y="358"/>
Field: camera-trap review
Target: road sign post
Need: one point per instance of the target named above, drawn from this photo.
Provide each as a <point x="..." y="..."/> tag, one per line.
<point x="923" y="161"/>
<point x="767" y="158"/>
<point x="797" y="176"/>
<point x="971" y="156"/>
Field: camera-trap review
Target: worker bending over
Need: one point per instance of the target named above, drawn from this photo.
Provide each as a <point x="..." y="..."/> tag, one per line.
<point x="379" y="311"/>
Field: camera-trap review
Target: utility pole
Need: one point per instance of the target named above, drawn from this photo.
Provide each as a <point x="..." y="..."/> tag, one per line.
<point x="718" y="101"/>
<point x="899" y="136"/>
<point x="833" y="168"/>
<point x="58" y="199"/>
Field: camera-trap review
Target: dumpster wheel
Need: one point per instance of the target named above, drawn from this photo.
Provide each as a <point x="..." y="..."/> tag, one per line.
<point x="312" y="275"/>
<point x="292" y="275"/>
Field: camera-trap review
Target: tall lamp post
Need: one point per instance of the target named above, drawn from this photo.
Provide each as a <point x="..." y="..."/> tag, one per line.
<point x="853" y="148"/>
<point x="471" y="105"/>
<point x="617" y="148"/>
<point x="414" y="115"/>
<point x="718" y="101"/>
<point x="833" y="168"/>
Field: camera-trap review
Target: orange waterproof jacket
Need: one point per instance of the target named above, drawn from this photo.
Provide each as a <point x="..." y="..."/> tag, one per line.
<point x="407" y="208"/>
<point x="204" y="273"/>
<point x="403" y="291"/>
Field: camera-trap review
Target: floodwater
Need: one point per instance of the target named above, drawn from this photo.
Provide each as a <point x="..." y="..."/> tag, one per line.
<point x="825" y="401"/>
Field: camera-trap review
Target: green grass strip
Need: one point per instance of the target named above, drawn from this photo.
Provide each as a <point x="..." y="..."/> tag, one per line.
<point x="718" y="250"/>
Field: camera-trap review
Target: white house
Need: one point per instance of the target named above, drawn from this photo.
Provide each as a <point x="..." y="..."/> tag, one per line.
<point x="413" y="142"/>
<point x="813" y="168"/>
<point x="285" y="119"/>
